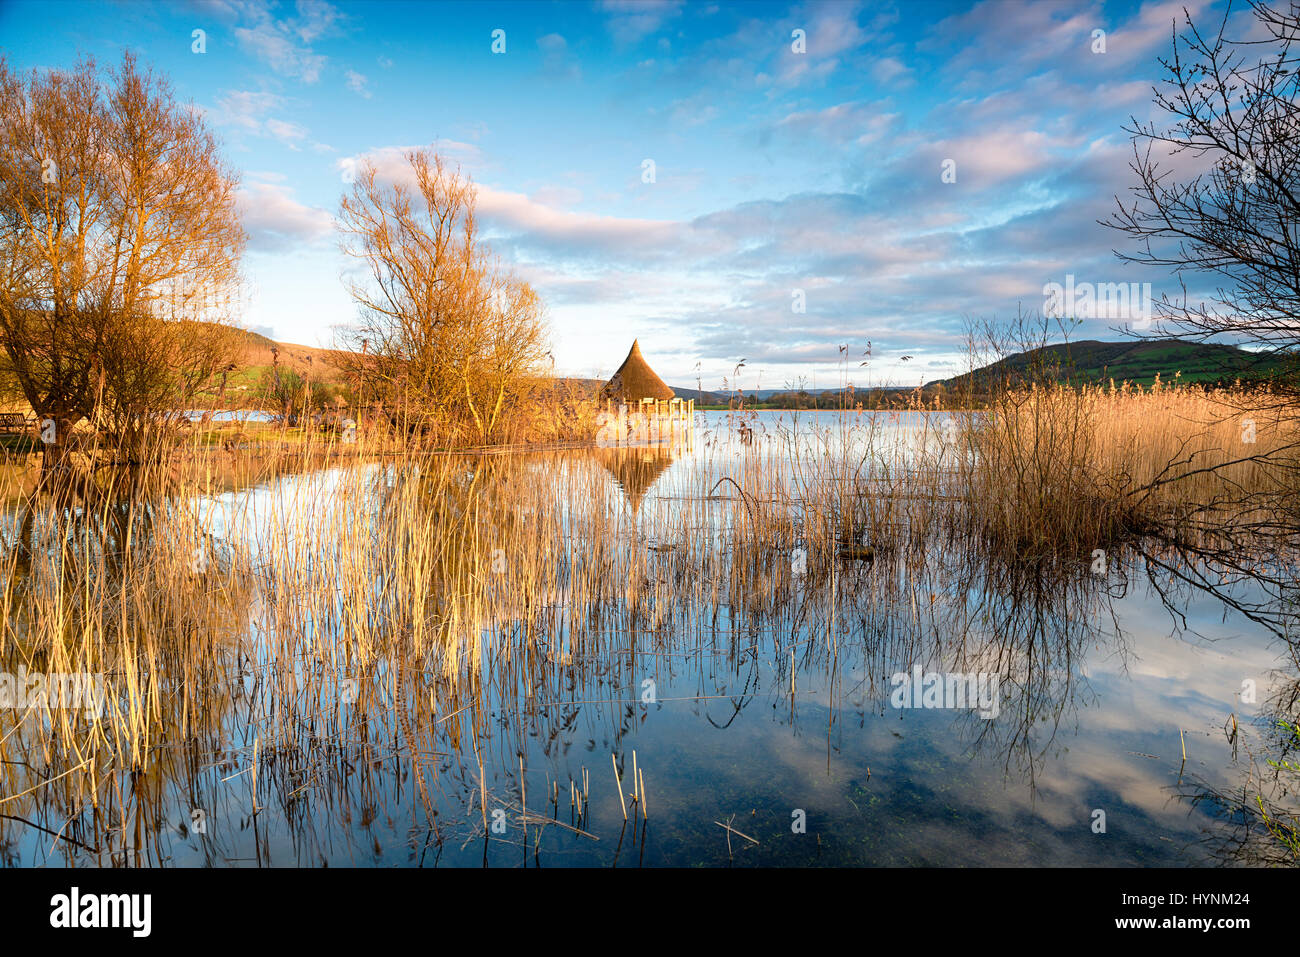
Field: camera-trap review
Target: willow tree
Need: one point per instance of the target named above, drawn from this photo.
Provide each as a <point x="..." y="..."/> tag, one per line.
<point x="445" y="337"/>
<point x="119" y="238"/>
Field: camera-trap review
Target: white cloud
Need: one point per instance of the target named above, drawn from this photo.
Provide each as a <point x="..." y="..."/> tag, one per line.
<point x="280" y="54"/>
<point x="357" y="83"/>
<point x="860" y="122"/>
<point x="315" y="19"/>
<point x="557" y="60"/>
<point x="630" y="21"/>
<point x="276" y="222"/>
<point x="515" y="212"/>
<point x="290" y="134"/>
<point x="890" y="71"/>
<point x="245" y="111"/>
<point x="286" y="45"/>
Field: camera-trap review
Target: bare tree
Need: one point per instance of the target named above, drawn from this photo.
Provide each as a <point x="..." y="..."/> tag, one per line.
<point x="504" y="348"/>
<point x="118" y="231"/>
<point x="1217" y="195"/>
<point x="449" y="337"/>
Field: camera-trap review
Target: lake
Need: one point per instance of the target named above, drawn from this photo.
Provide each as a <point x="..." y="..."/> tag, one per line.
<point x="770" y="699"/>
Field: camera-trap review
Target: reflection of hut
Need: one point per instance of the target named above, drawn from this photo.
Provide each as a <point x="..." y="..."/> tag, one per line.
<point x="635" y="470"/>
<point x="640" y="407"/>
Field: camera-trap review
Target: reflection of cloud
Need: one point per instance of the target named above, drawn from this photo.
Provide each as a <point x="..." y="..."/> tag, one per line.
<point x="958" y="801"/>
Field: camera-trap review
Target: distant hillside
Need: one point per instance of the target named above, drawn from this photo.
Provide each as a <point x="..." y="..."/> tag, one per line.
<point x="1088" y="361"/>
<point x="258" y="352"/>
<point x="701" y="397"/>
<point x="321" y="365"/>
<point x="1138" y="362"/>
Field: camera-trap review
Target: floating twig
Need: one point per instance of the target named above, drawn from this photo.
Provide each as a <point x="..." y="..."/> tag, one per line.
<point x="728" y="827"/>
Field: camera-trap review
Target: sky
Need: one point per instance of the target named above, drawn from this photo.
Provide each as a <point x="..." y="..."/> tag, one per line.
<point x="899" y="171"/>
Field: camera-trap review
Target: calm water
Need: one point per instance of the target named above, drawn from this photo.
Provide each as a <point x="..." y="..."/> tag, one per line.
<point x="764" y="718"/>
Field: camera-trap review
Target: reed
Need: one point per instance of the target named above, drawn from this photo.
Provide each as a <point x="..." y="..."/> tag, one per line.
<point x="257" y="605"/>
<point x="1076" y="467"/>
<point x="619" y="782"/>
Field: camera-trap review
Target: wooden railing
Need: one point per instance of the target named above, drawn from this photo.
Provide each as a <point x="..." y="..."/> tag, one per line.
<point x="650" y="421"/>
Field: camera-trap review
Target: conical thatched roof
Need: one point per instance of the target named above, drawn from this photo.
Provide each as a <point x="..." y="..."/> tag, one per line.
<point x="635" y="380"/>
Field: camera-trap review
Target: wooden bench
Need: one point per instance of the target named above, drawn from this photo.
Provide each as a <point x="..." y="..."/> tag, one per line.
<point x="15" y="423"/>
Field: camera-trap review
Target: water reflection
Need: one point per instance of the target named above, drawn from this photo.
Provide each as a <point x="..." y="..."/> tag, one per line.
<point x="636" y="469"/>
<point x="347" y="705"/>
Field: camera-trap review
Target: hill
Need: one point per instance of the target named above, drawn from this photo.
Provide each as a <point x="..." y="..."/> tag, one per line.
<point x="701" y="397"/>
<point x="1088" y="361"/>
<point x="1137" y="361"/>
<point x="259" y="351"/>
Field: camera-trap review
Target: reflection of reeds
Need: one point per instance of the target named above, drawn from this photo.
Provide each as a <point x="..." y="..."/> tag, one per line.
<point x="1256" y="822"/>
<point x="437" y="588"/>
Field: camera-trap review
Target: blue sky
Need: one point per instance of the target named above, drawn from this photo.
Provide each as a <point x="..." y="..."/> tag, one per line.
<point x="775" y="170"/>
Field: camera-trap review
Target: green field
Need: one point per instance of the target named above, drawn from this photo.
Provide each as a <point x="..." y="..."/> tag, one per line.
<point x="1138" y="362"/>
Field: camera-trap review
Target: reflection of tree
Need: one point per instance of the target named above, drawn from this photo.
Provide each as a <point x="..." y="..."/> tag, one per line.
<point x="1252" y="582"/>
<point x="98" y="591"/>
<point x="1257" y="823"/>
<point x="1032" y="623"/>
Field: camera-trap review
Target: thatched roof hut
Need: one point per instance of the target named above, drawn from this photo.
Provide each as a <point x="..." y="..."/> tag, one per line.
<point x="635" y="380"/>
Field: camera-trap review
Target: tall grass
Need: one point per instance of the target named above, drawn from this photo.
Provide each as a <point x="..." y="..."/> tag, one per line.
<point x="1056" y="468"/>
